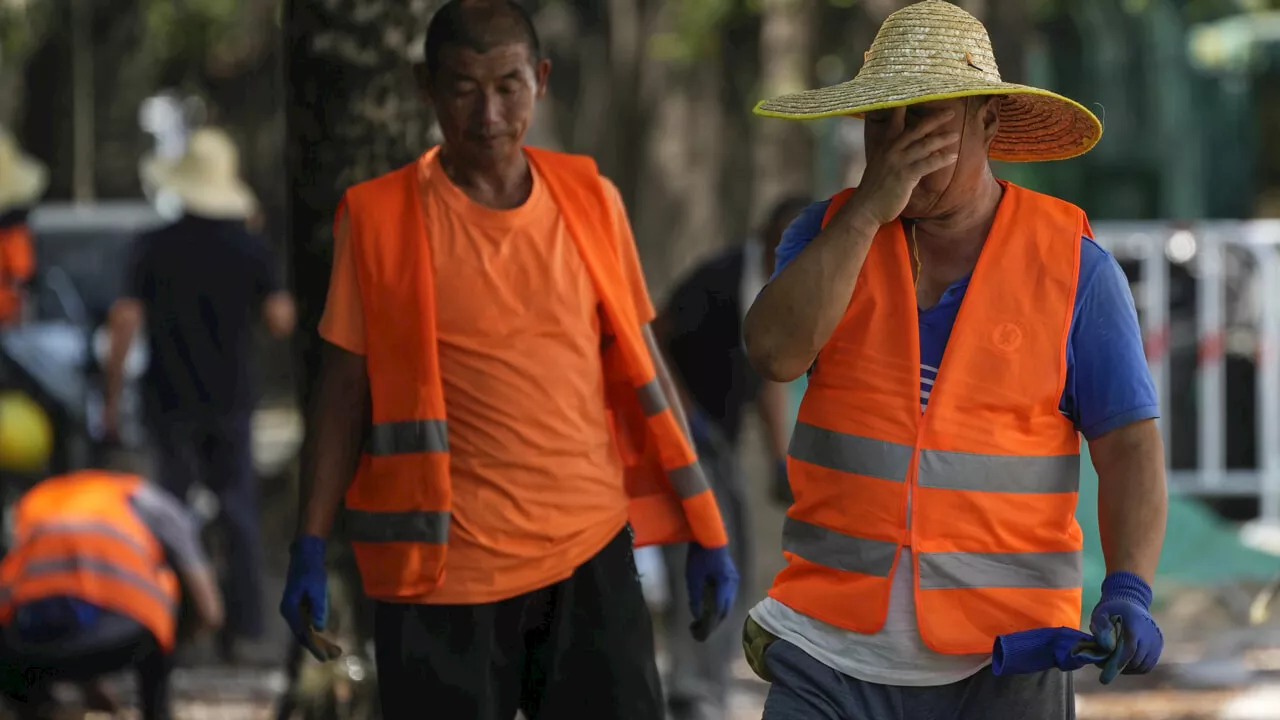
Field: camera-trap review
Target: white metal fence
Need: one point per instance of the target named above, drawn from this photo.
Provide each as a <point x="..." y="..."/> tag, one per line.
<point x="1208" y="298"/>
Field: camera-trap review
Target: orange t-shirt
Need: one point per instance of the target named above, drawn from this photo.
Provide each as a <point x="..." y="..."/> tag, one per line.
<point x="537" y="482"/>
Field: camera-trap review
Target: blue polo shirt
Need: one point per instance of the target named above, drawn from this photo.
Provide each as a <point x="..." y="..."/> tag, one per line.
<point x="1108" y="382"/>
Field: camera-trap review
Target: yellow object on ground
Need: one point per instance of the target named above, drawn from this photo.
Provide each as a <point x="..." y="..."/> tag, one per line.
<point x="26" y="435"/>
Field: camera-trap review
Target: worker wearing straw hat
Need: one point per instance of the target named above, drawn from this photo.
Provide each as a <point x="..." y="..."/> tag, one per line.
<point x="23" y="180"/>
<point x="197" y="285"/>
<point x="933" y="558"/>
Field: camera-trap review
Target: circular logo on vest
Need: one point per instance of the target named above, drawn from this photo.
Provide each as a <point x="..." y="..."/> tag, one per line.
<point x="1007" y="337"/>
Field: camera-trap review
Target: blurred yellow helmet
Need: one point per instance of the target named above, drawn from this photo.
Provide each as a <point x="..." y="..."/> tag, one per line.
<point x="26" y="435"/>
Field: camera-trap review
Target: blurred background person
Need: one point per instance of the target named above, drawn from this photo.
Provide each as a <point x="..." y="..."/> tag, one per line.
<point x="700" y="330"/>
<point x="197" y="286"/>
<point x="106" y="574"/>
<point x="23" y="181"/>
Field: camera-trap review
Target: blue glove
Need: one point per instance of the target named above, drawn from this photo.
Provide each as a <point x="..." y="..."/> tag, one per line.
<point x="1122" y="625"/>
<point x="713" y="583"/>
<point x="1033" y="651"/>
<point x="305" y="605"/>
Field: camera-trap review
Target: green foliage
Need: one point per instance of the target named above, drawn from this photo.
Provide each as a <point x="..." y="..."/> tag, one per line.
<point x="698" y="23"/>
<point x="190" y="27"/>
<point x="696" y="29"/>
<point x="22" y="26"/>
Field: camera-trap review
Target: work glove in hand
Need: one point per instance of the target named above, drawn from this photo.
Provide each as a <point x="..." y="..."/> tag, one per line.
<point x="713" y="584"/>
<point x="305" y="605"/>
<point x="1123" y="627"/>
<point x="1034" y="651"/>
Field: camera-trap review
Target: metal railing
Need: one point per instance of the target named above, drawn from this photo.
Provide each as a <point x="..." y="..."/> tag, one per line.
<point x="1233" y="271"/>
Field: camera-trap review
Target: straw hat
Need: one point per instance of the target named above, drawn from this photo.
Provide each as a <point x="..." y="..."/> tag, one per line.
<point x="23" y="179"/>
<point x="934" y="50"/>
<point x="206" y="178"/>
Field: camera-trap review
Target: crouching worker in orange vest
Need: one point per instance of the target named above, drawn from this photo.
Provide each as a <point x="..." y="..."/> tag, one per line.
<point x="488" y="316"/>
<point x="102" y="566"/>
<point x="961" y="334"/>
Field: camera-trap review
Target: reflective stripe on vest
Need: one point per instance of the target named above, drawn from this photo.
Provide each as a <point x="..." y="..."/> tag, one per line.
<point x="397" y="509"/>
<point x="941" y="470"/>
<point x="687" y="480"/>
<point x="983" y="484"/>
<point x="421" y="526"/>
<point x="78" y="536"/>
<point x="34" y="571"/>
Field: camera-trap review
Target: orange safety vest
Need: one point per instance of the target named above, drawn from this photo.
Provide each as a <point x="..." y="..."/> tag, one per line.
<point x="78" y="536"/>
<point x="398" y="506"/>
<point x="983" y="484"/>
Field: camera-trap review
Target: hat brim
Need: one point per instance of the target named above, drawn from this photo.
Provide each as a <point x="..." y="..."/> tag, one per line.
<point x="23" y="183"/>
<point x="220" y="199"/>
<point x="1035" y="124"/>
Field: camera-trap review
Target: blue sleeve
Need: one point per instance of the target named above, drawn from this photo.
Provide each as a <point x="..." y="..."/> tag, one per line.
<point x="1108" y="382"/>
<point x="798" y="234"/>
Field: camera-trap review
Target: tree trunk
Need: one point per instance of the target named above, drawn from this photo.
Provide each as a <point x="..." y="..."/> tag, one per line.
<point x="352" y="113"/>
<point x="783" y="150"/>
<point x="677" y="210"/>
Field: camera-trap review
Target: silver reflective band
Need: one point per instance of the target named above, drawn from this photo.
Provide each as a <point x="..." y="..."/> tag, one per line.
<point x="688" y="481"/>
<point x="652" y="399"/>
<point x="1048" y="570"/>
<point x="850" y="453"/>
<point x="408" y="436"/>
<point x="88" y="565"/>
<point x="1000" y="473"/>
<point x="87" y="528"/>
<point x="838" y="551"/>
<point x="423" y="526"/>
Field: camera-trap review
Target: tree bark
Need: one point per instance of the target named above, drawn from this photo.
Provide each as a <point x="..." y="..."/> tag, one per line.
<point x="677" y="210"/>
<point x="783" y="150"/>
<point x="352" y="113"/>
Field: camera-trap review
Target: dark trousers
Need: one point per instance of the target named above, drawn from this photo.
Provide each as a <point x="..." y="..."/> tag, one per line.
<point x="581" y="648"/>
<point x="219" y="454"/>
<point x="27" y="675"/>
<point x="699" y="680"/>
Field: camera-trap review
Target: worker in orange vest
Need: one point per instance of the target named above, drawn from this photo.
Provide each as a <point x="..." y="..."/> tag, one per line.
<point x="490" y="381"/>
<point x="23" y="180"/>
<point x="101" y="567"/>
<point x="934" y="564"/>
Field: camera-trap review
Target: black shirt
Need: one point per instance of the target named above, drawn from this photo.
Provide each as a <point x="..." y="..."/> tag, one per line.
<point x="202" y="282"/>
<point x="702" y="336"/>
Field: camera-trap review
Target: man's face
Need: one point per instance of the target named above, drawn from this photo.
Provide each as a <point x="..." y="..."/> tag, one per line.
<point x="484" y="102"/>
<point x="973" y="118"/>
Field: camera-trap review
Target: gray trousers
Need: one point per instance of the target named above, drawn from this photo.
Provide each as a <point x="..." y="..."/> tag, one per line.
<point x="697" y="687"/>
<point x="805" y="689"/>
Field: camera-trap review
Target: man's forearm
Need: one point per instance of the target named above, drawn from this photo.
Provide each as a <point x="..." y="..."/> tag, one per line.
<point x="336" y="426"/>
<point x="122" y="324"/>
<point x="1133" y="499"/>
<point x="797" y="311"/>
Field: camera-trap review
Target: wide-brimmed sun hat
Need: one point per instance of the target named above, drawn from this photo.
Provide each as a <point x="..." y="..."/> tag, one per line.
<point x="934" y="50"/>
<point x="206" y="178"/>
<point x="23" y="179"/>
